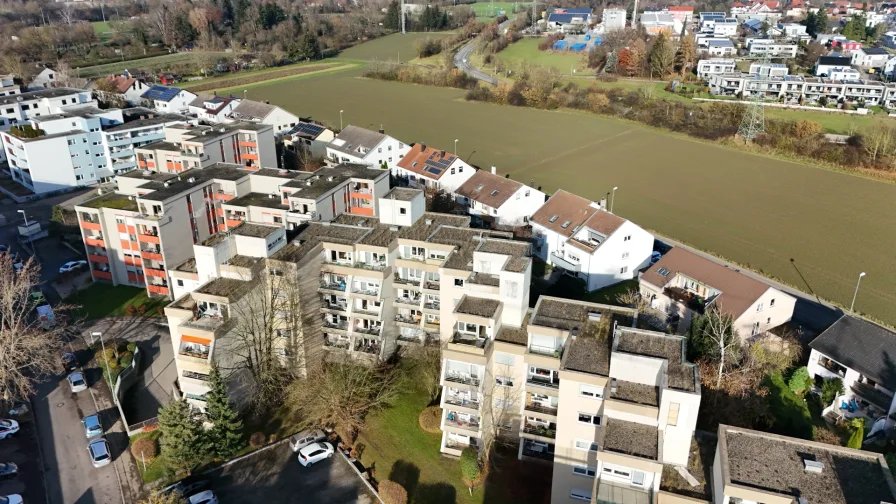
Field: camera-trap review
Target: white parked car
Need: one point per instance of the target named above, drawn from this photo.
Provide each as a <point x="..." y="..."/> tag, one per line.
<point x="72" y="266"/>
<point x="206" y="497"/>
<point x="11" y="499"/>
<point x="98" y="449"/>
<point x="305" y="438"/>
<point x="92" y="426"/>
<point x="314" y="453"/>
<point x="8" y="428"/>
<point x="77" y="382"/>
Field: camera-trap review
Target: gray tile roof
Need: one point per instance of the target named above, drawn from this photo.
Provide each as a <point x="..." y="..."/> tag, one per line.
<point x="251" y="109"/>
<point x="352" y="137"/>
<point x="863" y="346"/>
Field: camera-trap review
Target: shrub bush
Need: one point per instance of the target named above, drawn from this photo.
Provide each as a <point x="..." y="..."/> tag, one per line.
<point x="431" y="419"/>
<point x="256" y="440"/>
<point x="393" y="493"/>
<point x="144" y="447"/>
<point x="800" y="382"/>
<point x="830" y="389"/>
<point x="132" y="347"/>
<point x="469" y="464"/>
<point x="110" y="355"/>
<point x="126" y="359"/>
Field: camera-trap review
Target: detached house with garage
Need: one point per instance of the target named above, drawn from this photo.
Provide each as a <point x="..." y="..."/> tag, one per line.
<point x="684" y="285"/>
<point x="861" y="354"/>
<point x="426" y="167"/>
<point x="588" y="242"/>
<point x="363" y="146"/>
<point x="498" y="200"/>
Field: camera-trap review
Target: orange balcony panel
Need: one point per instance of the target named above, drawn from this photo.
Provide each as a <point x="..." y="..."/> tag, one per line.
<point x="220" y="211"/>
<point x="246" y="155"/>
<point x="244" y="143"/>
<point x="122" y="228"/>
<point x="251" y="167"/>
<point x="93" y="226"/>
<point x="148" y="238"/>
<point x="93" y="242"/>
<point x="102" y="275"/>
<point x="233" y="223"/>
<point x="98" y="258"/>
<point x="154" y="272"/>
<point x="361" y="195"/>
<point x="152" y="256"/>
<point x="224" y="197"/>
<point x="157" y="289"/>
<point x="141" y="163"/>
<point x="150" y="164"/>
<point x="133" y="261"/>
<point x="362" y="211"/>
<point x="132" y="230"/>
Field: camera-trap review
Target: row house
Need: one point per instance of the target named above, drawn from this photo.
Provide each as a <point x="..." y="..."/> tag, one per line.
<point x="684" y="285"/>
<point x="715" y="66"/>
<point x="134" y="236"/>
<point x="187" y="147"/>
<point x="767" y="48"/>
<point x="426" y="167"/>
<point x="494" y="200"/>
<point x="793" y="88"/>
<point x="586" y="241"/>
<point x="363" y="146"/>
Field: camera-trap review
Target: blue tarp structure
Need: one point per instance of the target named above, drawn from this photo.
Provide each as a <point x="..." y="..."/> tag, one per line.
<point x="560" y="45"/>
<point x="578" y="47"/>
<point x="598" y="40"/>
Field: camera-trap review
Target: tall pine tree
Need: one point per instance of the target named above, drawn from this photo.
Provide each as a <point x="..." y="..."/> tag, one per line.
<point x="821" y="21"/>
<point x="183" y="441"/>
<point x="393" y="17"/>
<point x="225" y="436"/>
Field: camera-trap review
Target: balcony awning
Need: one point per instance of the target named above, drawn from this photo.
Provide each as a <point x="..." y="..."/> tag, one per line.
<point x="195" y="339"/>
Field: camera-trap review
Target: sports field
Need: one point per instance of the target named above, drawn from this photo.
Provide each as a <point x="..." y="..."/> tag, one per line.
<point x="754" y="210"/>
<point x="492" y="9"/>
<point x="526" y="50"/>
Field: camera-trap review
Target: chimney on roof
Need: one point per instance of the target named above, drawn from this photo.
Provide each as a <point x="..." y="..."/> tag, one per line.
<point x="603" y="203"/>
<point x="494" y="170"/>
<point x="422" y="146"/>
<point x="382" y="130"/>
<point x="443" y="153"/>
<point x="267" y="102"/>
<point x="813" y="466"/>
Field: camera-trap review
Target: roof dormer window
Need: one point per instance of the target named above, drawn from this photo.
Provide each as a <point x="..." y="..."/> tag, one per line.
<point x="554" y="218"/>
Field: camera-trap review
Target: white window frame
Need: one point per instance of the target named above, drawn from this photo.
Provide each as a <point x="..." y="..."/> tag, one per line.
<point x="592" y="418"/>
<point x="594" y="394"/>
<point x="579" y="494"/>
<point x="582" y="470"/>
<point x="592" y="446"/>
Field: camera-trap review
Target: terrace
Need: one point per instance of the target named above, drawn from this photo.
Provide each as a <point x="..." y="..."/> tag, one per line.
<point x="538" y="403"/>
<point x="462" y="420"/>
<point x="464" y="398"/>
<point x="693" y="301"/>
<point x="542" y="428"/>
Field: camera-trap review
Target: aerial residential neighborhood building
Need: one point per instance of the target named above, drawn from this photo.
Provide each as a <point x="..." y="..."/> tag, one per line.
<point x="309" y="137"/>
<point x="213" y="109"/>
<point x="426" y="167"/>
<point x="588" y="242"/>
<point x="613" y="19"/>
<point x="188" y="146"/>
<point x="770" y="48"/>
<point x="569" y="19"/>
<point x="497" y="200"/>
<point x="169" y="100"/>
<point x="656" y="22"/>
<point x="46" y="79"/>
<point x="265" y="113"/>
<point x="826" y="64"/>
<point x="768" y="69"/>
<point x="715" y="66"/>
<point x="683" y="285"/>
<point x="858" y="353"/>
<point x="753" y="466"/>
<point x="870" y="57"/>
<point x="721" y="48"/>
<point x="22" y="107"/>
<point x="373" y="148"/>
<point x="794" y="88"/>
<point x="124" y="87"/>
<point x="681" y="13"/>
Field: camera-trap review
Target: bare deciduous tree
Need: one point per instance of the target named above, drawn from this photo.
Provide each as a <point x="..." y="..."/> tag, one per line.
<point x="500" y="405"/>
<point x="67" y="13"/>
<point x="652" y="317"/>
<point x="28" y="351"/>
<point x="428" y="367"/>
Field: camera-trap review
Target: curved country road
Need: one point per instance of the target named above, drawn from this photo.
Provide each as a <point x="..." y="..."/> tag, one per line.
<point x="462" y="58"/>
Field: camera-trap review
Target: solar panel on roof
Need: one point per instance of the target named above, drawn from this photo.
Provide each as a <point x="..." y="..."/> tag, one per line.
<point x="430" y="169"/>
<point x="306" y="129"/>
<point x="161" y="93"/>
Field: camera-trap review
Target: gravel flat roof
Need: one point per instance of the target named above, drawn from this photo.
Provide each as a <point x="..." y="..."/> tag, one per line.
<point x="637" y="393"/>
<point x="225" y="287"/>
<point x="480" y="307"/>
<point x="631" y="438"/>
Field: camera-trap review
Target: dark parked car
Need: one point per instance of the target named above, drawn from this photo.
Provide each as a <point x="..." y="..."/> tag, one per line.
<point x="69" y="362"/>
<point x="8" y="470"/>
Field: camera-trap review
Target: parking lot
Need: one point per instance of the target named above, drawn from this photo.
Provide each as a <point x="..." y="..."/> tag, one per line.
<point x="21" y="449"/>
<point x="274" y="476"/>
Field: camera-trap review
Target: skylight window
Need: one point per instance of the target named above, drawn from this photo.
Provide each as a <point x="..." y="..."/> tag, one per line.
<point x="554" y="218"/>
<point x="495" y="192"/>
<point x="565" y="224"/>
<point x="479" y="187"/>
<point x="663" y="272"/>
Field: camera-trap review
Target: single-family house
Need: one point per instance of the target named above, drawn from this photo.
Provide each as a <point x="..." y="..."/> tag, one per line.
<point x="373" y="148"/>
<point x="826" y="64"/>
<point x="168" y="100"/>
<point x="43" y="80"/>
<point x="889" y="39"/>
<point x="265" y="113"/>
<point x="715" y="66"/>
<point x="586" y="241"/>
<point x="498" y="200"/>
<point x="754" y="26"/>
<point x="861" y="354"/>
<point x="130" y="89"/>
<point x="792" y="30"/>
<point x="427" y="167"/>
<point x="309" y="136"/>
<point x="870" y="57"/>
<point x="569" y="19"/>
<point x="213" y="109"/>
<point x="721" y="48"/>
<point x="684" y="284"/>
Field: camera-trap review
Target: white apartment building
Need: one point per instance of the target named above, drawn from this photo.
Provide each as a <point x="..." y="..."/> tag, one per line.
<point x="373" y="148"/>
<point x="870" y="57"/>
<point x="213" y="109"/>
<point x="8" y="86"/>
<point x="498" y="200"/>
<point x="704" y="39"/>
<point x="715" y="66"/>
<point x="721" y="48"/>
<point x="792" y="30"/>
<point x="726" y="27"/>
<point x="588" y="242"/>
<point x="844" y="74"/>
<point x="683" y="285"/>
<point x="656" y="22"/>
<point x="141" y="127"/>
<point x="265" y="113"/>
<point x="793" y="88"/>
<point x="426" y="167"/>
<point x="188" y="146"/>
<point x="22" y="107"/>
<point x="768" y="48"/>
<point x="825" y="64"/>
<point x="769" y="69"/>
<point x="613" y="19"/>
<point x="170" y="100"/>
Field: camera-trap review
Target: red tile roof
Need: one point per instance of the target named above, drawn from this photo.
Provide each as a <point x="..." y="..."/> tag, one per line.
<point x="422" y="156"/>
<point x="680" y="8"/>
<point x="121" y="83"/>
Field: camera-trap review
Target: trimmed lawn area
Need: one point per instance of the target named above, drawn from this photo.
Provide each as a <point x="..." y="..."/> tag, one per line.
<point x="526" y="50"/>
<point x="489" y="10"/>
<point x="831" y="122"/>
<point x="104" y="300"/>
<point x="156" y="468"/>
<point x="790" y="412"/>
<point x="608" y="294"/>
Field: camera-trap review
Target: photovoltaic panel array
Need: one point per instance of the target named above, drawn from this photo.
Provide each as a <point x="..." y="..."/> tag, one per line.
<point x="311" y="130"/>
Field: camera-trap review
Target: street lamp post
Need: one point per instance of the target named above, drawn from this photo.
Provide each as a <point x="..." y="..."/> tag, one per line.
<point x="455" y="147"/>
<point x="856" y="293"/>
<point x="30" y="243"/>
<point x="340" y="119"/>
<point x="614" y="198"/>
<point x="105" y="355"/>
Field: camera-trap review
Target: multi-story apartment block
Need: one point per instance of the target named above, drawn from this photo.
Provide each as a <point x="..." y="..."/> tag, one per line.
<point x="588" y="242"/>
<point x="769" y="69"/>
<point x="769" y="48"/>
<point x="498" y="200"/>
<point x="373" y="148"/>
<point x="753" y="466"/>
<point x="141" y="127"/>
<point x="186" y="147"/>
<point x="721" y="48"/>
<point x="613" y="19"/>
<point x="715" y="66"/>
<point x="264" y="113"/>
<point x="426" y="167"/>
<point x="684" y="285"/>
<point x="22" y="107"/>
<point x="8" y="86"/>
<point x="793" y="88"/>
<point x="135" y="236"/>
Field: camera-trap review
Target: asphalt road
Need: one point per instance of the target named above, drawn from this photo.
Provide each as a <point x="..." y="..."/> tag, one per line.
<point x="274" y="476"/>
<point x="462" y="60"/>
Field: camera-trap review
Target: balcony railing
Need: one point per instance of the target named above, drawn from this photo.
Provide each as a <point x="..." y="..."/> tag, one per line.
<point x="540" y="408"/>
<point x="417" y="258"/>
<point x="431" y="285"/>
<point x="415" y="301"/>
<point x="543" y="382"/>
<point x="405" y="281"/>
<point x="373" y="331"/>
<point x="329" y="324"/>
<point x="366" y="292"/>
<point x="460" y="401"/>
<point x="195" y="351"/>
<point x="368" y="348"/>
<point x="336" y="306"/>
<point x="543" y="350"/>
<point x="432" y="305"/>
<point x="405" y="319"/>
<point x="336" y="286"/>
<point x="691" y="300"/>
<point x="540" y="430"/>
<point x="462" y="378"/>
<point x="337" y="343"/>
<point x="468" y="339"/>
<point x="373" y="266"/>
<point x="454" y="420"/>
<point x="538" y="452"/>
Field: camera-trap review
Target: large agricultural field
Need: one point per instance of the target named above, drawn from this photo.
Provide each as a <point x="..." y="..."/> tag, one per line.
<point x="144" y="63"/>
<point x="389" y="48"/>
<point x="757" y="211"/>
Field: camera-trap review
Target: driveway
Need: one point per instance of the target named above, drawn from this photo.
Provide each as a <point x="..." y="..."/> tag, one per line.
<point x="274" y="476"/>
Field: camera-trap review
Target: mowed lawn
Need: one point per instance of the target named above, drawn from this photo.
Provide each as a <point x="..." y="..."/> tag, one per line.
<point x="104" y="300"/>
<point x="492" y="9"/>
<point x="757" y="211"/>
<point x="526" y="50"/>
